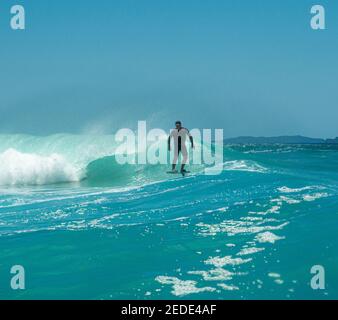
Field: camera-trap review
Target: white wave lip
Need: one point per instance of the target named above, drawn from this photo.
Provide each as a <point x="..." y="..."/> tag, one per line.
<point x="18" y="168"/>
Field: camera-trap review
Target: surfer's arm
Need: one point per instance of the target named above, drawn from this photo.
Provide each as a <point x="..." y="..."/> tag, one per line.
<point x="170" y="136"/>
<point x="191" y="139"/>
<point x="169" y="142"/>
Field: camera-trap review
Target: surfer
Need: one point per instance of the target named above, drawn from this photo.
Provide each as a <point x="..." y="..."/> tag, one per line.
<point x="180" y="134"/>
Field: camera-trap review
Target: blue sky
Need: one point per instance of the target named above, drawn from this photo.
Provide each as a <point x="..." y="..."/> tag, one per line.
<point x="250" y="67"/>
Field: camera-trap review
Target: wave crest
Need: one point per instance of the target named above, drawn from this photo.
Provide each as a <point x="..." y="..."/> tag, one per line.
<point x="32" y="169"/>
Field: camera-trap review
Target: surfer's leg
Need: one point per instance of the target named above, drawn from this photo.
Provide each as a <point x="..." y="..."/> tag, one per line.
<point x="185" y="157"/>
<point x="176" y="153"/>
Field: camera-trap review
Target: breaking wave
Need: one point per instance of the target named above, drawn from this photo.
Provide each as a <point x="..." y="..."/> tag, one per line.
<point x="89" y="160"/>
<point x="31" y="169"/>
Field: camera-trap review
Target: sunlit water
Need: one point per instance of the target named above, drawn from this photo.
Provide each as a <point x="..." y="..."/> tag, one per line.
<point x="252" y="232"/>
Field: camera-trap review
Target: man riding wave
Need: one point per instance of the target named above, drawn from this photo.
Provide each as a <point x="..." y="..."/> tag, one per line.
<point x="179" y="135"/>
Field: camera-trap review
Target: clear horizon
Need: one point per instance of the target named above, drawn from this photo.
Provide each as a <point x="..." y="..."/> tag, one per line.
<point x="254" y="69"/>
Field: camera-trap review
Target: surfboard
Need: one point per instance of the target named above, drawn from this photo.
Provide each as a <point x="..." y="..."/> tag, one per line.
<point x="178" y="172"/>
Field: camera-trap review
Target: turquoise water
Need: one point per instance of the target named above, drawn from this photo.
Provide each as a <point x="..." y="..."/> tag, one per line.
<point x="86" y="228"/>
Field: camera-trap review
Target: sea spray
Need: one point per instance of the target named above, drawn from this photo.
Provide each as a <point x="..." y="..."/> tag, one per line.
<point x="31" y="169"/>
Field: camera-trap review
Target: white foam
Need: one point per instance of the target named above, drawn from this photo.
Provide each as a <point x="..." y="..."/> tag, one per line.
<point x="274" y="275"/>
<point x="182" y="287"/>
<point x="223" y="209"/>
<point x="228" y="260"/>
<point x="283" y="199"/>
<point x="277" y="277"/>
<point x="313" y="197"/>
<point x="252" y="218"/>
<point x="268" y="237"/>
<point x="248" y="251"/>
<point x="227" y="287"/>
<point x="243" y="165"/>
<point x="274" y="209"/>
<point x="31" y="169"/>
<point x="217" y="274"/>
<point x="233" y="227"/>
<point x="294" y="190"/>
<point x="279" y="281"/>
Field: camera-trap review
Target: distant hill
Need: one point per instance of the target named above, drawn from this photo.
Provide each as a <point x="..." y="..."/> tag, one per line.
<point x="278" y="140"/>
<point x="332" y="141"/>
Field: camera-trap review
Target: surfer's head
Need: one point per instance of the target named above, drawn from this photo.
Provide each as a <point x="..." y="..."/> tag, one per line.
<point x="178" y="125"/>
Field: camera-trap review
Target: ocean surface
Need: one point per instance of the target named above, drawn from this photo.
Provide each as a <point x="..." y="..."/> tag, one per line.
<point x="84" y="227"/>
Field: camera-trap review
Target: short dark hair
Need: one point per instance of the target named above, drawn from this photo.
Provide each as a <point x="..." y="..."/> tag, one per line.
<point x="178" y="122"/>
